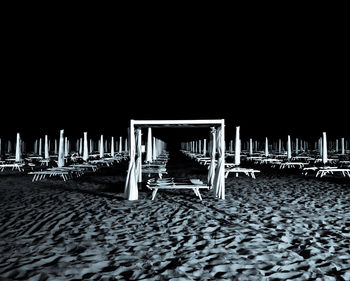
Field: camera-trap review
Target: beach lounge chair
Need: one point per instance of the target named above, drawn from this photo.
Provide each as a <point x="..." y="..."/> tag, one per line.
<point x="13" y="166"/>
<point x="175" y="184"/>
<point x="154" y="169"/>
<point x="299" y="165"/>
<point x="237" y="170"/>
<point x="322" y="172"/>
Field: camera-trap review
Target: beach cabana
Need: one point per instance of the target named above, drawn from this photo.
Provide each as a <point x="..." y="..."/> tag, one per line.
<point x="131" y="188"/>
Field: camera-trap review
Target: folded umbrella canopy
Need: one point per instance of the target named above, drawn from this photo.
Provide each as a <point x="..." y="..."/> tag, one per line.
<point x="324" y="149"/>
<point x="149" y="146"/>
<point x="289" y="148"/>
<point x="112" y="147"/>
<point x="101" y="147"/>
<point x="61" y="150"/>
<point x="85" y="149"/>
<point x="47" y="156"/>
<point x="18" y="149"/>
<point x="237" y="148"/>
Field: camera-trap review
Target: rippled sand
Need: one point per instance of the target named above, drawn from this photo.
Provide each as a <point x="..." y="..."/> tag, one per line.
<point x="272" y="228"/>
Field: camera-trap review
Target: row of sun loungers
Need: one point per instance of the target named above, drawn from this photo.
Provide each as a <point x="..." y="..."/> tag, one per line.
<point x="157" y="166"/>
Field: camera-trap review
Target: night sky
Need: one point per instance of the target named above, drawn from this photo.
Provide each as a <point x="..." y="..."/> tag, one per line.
<point x="269" y="82"/>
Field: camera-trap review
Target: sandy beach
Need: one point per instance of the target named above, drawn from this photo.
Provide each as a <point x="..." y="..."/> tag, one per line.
<point x="276" y="227"/>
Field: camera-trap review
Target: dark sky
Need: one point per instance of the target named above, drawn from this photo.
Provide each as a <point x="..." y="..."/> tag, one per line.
<point x="271" y="82"/>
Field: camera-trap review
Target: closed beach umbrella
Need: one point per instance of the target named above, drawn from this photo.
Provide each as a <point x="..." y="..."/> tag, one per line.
<point x="65" y="146"/>
<point x="18" y="149"/>
<point x="296" y="146"/>
<point x="324" y="149"/>
<point x="289" y="148"/>
<point x="250" y="147"/>
<point x="40" y="146"/>
<point x="85" y="150"/>
<point x="149" y="146"/>
<point x="101" y="147"/>
<point x="266" y="147"/>
<point x="112" y="147"/>
<point x="120" y="144"/>
<point x="205" y="147"/>
<point x="237" y="148"/>
<point x="61" y="150"/>
<point x="46" y="147"/>
<point x="154" y="151"/>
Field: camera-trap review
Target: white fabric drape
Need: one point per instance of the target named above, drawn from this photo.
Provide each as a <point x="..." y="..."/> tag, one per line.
<point x="211" y="171"/>
<point x="149" y="146"/>
<point x="220" y="167"/>
<point x="130" y="190"/>
<point x="138" y="172"/>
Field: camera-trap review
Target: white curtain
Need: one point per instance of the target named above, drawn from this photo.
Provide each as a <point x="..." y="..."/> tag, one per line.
<point x="130" y="190"/>
<point x="220" y="168"/>
<point x="211" y="172"/>
<point x="149" y="146"/>
<point x="138" y="172"/>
